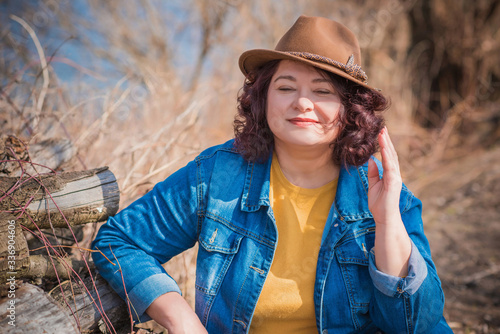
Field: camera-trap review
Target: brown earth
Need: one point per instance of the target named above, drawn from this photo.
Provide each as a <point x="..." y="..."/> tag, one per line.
<point x="461" y="206"/>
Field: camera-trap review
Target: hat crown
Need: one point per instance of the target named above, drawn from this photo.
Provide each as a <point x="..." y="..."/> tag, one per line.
<point x="315" y="41"/>
<point x="323" y="37"/>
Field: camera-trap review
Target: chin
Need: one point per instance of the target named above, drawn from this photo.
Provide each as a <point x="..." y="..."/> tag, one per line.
<point x="306" y="142"/>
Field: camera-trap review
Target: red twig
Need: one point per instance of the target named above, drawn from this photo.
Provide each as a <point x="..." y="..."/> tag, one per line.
<point x="125" y="290"/>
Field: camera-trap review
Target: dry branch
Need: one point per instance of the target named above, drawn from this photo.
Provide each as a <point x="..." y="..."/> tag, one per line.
<point x="83" y="197"/>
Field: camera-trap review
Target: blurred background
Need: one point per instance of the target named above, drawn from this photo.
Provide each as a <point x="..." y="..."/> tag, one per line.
<point x="142" y="86"/>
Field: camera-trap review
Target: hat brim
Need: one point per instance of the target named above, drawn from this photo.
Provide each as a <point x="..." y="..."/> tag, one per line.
<point x="253" y="59"/>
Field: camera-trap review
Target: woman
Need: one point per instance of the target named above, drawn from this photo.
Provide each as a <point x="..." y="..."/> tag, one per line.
<point x="299" y="229"/>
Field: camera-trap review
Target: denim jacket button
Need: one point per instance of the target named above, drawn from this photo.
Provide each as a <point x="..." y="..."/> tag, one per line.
<point x="325" y="331"/>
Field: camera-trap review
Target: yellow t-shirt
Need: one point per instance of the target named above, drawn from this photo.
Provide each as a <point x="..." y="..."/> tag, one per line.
<point x="286" y="304"/>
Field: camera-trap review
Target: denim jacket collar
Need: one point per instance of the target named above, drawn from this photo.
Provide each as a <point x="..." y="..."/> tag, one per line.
<point x="352" y="184"/>
<point x="256" y="188"/>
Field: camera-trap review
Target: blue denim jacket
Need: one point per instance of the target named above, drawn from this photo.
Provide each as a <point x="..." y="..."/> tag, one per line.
<point x="222" y="202"/>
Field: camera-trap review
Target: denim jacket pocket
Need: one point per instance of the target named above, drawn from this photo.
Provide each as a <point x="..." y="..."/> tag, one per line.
<point x="218" y="246"/>
<point x="353" y="257"/>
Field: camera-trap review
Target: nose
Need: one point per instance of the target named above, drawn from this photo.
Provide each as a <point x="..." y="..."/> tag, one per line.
<point x="304" y="104"/>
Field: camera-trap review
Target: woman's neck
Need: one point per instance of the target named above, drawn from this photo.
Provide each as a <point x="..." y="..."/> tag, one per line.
<point x="306" y="167"/>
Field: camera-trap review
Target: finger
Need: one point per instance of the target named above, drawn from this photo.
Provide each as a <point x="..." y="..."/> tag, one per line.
<point x="387" y="161"/>
<point x="373" y="173"/>
<point x="391" y="170"/>
<point x="386" y="143"/>
<point x="387" y="147"/>
<point x="388" y="140"/>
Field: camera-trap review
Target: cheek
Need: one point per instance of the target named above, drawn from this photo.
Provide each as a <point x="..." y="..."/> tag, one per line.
<point x="274" y="108"/>
<point x="330" y="111"/>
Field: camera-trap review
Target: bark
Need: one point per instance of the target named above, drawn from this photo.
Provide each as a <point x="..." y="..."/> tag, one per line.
<point x="82" y="197"/>
<point x="34" y="311"/>
<point x="91" y="307"/>
<point x="16" y="261"/>
<point x="77" y="312"/>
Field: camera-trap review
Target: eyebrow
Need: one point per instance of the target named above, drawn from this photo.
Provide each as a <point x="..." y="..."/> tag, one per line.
<point x="286" y="77"/>
<point x="292" y="78"/>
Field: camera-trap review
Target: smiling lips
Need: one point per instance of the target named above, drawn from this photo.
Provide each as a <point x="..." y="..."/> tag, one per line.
<point x="299" y="121"/>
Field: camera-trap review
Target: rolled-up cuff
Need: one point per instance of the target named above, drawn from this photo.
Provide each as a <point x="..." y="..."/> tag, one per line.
<point x="394" y="286"/>
<point x="144" y="293"/>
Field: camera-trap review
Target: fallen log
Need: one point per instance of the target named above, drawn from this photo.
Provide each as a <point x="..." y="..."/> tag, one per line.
<point x="90" y="308"/>
<point x="15" y="260"/>
<point x="72" y="310"/>
<point x="47" y="267"/>
<point x="82" y="197"/>
<point x="30" y="310"/>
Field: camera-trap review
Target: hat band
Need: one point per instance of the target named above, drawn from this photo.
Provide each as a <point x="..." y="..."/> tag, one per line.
<point x="354" y="70"/>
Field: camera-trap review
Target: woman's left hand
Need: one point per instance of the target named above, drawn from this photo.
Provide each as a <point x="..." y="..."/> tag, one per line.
<point x="392" y="243"/>
<point x="383" y="193"/>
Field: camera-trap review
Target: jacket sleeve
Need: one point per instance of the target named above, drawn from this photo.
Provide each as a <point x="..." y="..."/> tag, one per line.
<point x="413" y="304"/>
<point x="146" y="234"/>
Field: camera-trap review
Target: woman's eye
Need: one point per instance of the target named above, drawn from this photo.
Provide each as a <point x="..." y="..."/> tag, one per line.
<point x="285" y="89"/>
<point x="323" y="92"/>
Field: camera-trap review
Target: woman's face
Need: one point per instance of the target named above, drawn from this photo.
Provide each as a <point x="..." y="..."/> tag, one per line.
<point x="302" y="106"/>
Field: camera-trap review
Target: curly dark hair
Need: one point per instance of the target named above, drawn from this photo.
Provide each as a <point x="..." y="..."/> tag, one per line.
<point x="359" y="122"/>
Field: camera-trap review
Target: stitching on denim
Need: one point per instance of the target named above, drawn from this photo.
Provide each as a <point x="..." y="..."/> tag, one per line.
<point x="349" y="288"/>
<point x="331" y="256"/>
<point x="222" y="273"/>
<point x="347" y="280"/>
<point x="364" y="179"/>
<point x="249" y="186"/>
<point x="238" y="229"/>
<point x="202" y="289"/>
<point x="319" y="322"/>
<point x="337" y="210"/>
<point x="199" y="198"/>
<point x="220" y="149"/>
<point x="409" y="322"/>
<point x="360" y="215"/>
<point x="241" y="288"/>
<point x="353" y="260"/>
<point x="207" y="310"/>
<point x="358" y="234"/>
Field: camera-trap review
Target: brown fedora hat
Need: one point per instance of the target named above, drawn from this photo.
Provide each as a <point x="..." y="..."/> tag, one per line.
<point x="316" y="41"/>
